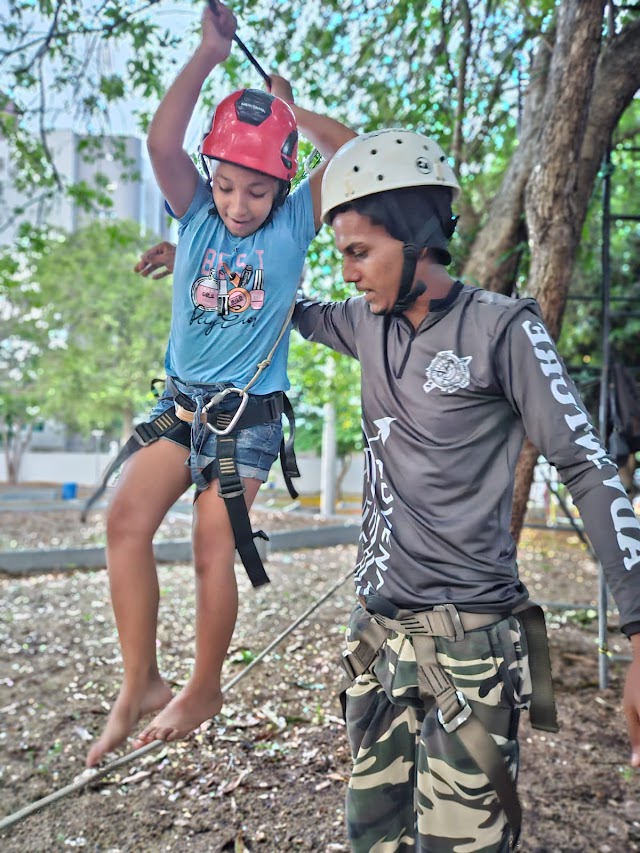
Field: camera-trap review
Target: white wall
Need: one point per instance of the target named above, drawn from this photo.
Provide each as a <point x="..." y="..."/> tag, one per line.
<point x="86" y="469"/>
<point x="309" y="481"/>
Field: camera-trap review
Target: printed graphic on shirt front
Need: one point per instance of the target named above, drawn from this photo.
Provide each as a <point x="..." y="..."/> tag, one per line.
<point x="448" y="372"/>
<point x="228" y="291"/>
<point x="375" y="531"/>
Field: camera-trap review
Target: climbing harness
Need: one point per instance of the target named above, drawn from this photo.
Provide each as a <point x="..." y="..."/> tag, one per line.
<point x="177" y="424"/>
<point x="453" y="711"/>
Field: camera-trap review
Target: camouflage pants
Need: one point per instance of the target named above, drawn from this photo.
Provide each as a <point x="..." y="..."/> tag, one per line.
<point x="413" y="787"/>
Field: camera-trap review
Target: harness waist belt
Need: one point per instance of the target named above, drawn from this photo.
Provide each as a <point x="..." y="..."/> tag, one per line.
<point x="453" y="711"/>
<point x="257" y="411"/>
<point x="443" y="620"/>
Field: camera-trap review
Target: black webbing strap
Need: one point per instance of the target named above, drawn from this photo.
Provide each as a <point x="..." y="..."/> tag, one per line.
<point x="542" y="710"/>
<point x="143" y="435"/>
<point x="287" y="455"/>
<point x="455" y="715"/>
<point x="230" y="485"/>
<point x="232" y="489"/>
<point x="259" y="410"/>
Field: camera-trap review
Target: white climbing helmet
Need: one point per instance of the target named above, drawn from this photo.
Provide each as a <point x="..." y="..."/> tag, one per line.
<point x="384" y="160"/>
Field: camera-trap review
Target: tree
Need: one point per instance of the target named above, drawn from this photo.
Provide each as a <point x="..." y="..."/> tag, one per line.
<point x="23" y="339"/>
<point x="583" y="85"/>
<point x="317" y="380"/>
<point x="56" y="68"/>
<point x="107" y="328"/>
<point x="525" y="96"/>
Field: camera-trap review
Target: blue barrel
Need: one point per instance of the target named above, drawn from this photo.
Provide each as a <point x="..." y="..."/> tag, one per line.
<point x="69" y="491"/>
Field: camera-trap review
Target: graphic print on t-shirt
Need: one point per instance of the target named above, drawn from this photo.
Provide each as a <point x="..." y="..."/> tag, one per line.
<point x="448" y="372"/>
<point x="228" y="291"/>
<point x="375" y="532"/>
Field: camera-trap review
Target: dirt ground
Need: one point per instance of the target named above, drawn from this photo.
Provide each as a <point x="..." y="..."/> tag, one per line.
<point x="268" y="774"/>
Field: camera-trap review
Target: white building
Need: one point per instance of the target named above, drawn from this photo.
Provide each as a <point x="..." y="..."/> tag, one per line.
<point x="77" y="158"/>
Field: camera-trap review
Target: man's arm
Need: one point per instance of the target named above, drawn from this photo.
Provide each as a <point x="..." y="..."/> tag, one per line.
<point x="174" y="170"/>
<point x="327" y="134"/>
<point x="159" y="260"/>
<point x="555" y="419"/>
<point x="631" y="701"/>
<point x="330" y="323"/>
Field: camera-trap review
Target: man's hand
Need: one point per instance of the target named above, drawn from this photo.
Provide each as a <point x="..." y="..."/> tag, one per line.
<point x="160" y="257"/>
<point x="632" y="701"/>
<point x="281" y="88"/>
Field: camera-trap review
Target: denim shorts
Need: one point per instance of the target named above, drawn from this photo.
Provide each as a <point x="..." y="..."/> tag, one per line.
<point x="257" y="447"/>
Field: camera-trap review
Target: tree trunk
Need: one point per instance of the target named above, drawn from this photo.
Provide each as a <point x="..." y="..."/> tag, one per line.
<point x="522" y="486"/>
<point x="15" y="438"/>
<point x="127" y="425"/>
<point x="495" y="254"/>
<point x="577" y="95"/>
<point x="345" y="463"/>
<point x="554" y="219"/>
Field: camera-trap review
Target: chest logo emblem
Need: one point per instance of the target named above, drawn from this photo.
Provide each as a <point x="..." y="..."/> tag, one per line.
<point x="448" y="372"/>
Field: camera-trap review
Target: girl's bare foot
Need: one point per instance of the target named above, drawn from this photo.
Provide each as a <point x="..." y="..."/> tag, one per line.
<point x="191" y="707"/>
<point x="127" y="710"/>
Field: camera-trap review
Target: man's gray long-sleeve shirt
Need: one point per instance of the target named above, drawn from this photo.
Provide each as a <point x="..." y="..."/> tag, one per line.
<point x="445" y="409"/>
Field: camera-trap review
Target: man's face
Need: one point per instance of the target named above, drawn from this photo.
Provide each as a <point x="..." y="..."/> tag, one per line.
<point x="371" y="259"/>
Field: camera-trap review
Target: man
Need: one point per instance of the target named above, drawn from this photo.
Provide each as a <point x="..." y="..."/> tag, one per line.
<point x="443" y="649"/>
<point x="452" y="379"/>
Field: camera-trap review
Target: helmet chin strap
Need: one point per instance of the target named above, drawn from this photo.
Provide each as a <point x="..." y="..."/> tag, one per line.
<point x="409" y="292"/>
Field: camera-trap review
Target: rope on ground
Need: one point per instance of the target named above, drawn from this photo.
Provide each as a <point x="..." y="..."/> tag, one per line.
<point x="88" y="777"/>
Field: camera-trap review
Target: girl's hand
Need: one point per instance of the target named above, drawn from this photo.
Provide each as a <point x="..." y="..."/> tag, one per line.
<point x="159" y="260"/>
<point x="281" y="88"/>
<point x="218" y="29"/>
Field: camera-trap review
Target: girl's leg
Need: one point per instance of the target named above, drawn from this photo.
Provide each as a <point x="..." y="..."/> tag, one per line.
<point x="216" y="610"/>
<point x="152" y="480"/>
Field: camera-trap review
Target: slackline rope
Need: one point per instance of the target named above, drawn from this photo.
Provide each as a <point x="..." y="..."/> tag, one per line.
<point x="90" y="776"/>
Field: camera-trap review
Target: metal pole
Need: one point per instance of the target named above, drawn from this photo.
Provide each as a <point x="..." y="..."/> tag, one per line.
<point x="603" y="660"/>
<point x="329" y="453"/>
<point x="328" y="462"/>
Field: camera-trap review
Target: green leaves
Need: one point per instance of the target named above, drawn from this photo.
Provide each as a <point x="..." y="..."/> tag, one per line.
<point x="86" y="331"/>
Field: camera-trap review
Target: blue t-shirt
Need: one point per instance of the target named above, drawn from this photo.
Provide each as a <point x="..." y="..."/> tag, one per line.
<point x="231" y="295"/>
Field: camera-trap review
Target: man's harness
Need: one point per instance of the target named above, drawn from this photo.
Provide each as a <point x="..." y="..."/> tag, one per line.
<point x="454" y="713"/>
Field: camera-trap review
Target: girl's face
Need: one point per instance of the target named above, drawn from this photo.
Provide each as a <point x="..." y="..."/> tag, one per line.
<point x="243" y="198"/>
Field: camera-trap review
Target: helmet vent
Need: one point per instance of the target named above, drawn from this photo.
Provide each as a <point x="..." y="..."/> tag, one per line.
<point x="356" y="168"/>
<point x="374" y="150"/>
<point x="381" y="177"/>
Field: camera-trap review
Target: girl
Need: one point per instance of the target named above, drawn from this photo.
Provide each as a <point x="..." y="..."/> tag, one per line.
<point x="243" y="240"/>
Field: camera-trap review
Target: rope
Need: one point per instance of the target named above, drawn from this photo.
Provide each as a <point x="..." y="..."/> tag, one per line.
<point x="90" y="776"/>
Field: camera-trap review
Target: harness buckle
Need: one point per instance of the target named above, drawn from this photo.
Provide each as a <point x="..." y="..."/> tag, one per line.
<point x="214" y="401"/>
<point x="461" y="717"/>
<point x="457" y="631"/>
<point x="347" y="663"/>
<point x="145" y="434"/>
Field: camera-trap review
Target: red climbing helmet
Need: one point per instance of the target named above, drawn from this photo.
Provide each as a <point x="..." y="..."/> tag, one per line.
<point x="256" y="130"/>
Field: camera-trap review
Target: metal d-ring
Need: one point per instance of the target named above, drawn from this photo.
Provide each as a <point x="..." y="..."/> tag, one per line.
<point x="244" y="399"/>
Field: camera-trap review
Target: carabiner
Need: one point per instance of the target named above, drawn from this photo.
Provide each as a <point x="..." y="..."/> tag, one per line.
<point x="244" y="399"/>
